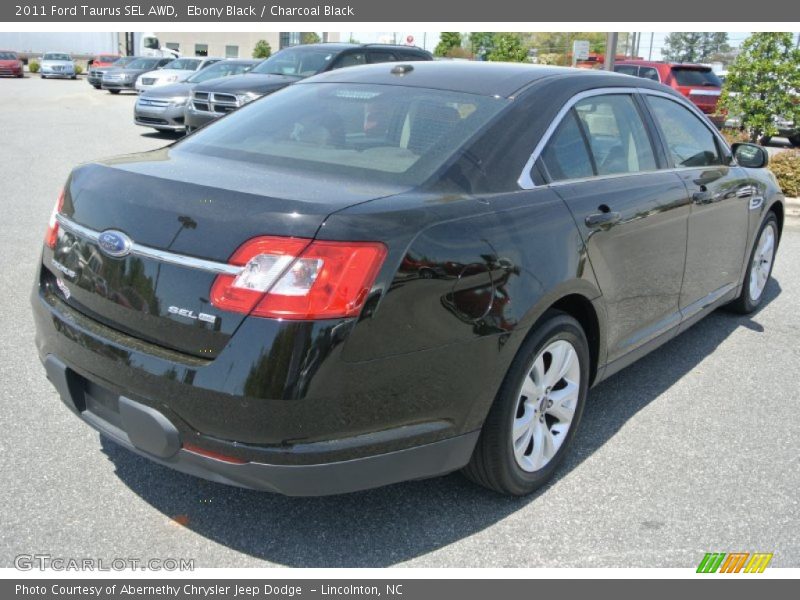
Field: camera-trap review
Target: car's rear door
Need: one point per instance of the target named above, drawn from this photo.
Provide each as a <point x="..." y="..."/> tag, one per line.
<point x="720" y="195"/>
<point x="603" y="162"/>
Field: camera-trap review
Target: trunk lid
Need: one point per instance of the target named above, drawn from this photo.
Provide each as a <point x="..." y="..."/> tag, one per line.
<point x="185" y="214"/>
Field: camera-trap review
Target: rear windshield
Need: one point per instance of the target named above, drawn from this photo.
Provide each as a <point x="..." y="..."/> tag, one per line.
<point x="183" y="64"/>
<point x="144" y="63"/>
<point x="8" y="56"/>
<point x="296" y="62"/>
<point x="56" y="56"/>
<point x="124" y="61"/>
<point x="220" y="69"/>
<point x="691" y="76"/>
<point x="380" y="133"/>
<point x="106" y="59"/>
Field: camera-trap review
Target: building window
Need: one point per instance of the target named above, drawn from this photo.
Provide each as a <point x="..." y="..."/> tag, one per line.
<point x="174" y="46"/>
<point x="290" y="38"/>
<point x="201" y="49"/>
<point x="231" y="51"/>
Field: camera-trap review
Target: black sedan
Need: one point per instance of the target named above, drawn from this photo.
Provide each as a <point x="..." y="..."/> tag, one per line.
<point x="395" y="271"/>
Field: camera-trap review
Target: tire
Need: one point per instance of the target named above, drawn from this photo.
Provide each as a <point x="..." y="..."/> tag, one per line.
<point x="514" y="466"/>
<point x="97" y="87"/>
<point x="114" y="91"/>
<point x="765" y="140"/>
<point x="794" y="140"/>
<point x="758" y="271"/>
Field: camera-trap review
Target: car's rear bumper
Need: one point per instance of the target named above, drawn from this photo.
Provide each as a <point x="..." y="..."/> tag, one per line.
<point x="146" y="431"/>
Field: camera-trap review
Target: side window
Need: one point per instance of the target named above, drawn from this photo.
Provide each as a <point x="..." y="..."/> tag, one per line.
<point x="649" y="73"/>
<point x="617" y="136"/>
<point x="350" y="60"/>
<point x="690" y="142"/>
<point x="566" y="155"/>
<point x="626" y="69"/>
<point x="381" y="57"/>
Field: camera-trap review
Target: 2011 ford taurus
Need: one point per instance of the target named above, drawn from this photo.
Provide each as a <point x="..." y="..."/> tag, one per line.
<point x="394" y="272"/>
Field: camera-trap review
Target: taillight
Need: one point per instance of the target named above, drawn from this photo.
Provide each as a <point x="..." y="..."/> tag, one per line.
<point x="293" y="278"/>
<point x="52" y="225"/>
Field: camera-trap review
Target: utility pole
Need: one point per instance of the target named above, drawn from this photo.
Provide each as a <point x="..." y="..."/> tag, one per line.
<point x="650" y="54"/>
<point x="611" y="50"/>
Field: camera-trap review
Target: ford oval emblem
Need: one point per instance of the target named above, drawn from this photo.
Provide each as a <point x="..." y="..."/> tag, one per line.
<point x="114" y="243"/>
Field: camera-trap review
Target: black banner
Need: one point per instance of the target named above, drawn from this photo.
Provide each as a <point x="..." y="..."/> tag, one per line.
<point x="354" y="11"/>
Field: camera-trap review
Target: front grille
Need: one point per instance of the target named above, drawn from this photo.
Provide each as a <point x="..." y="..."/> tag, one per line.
<point x="153" y="102"/>
<point x="152" y="120"/>
<point x="7" y="72"/>
<point x="148" y="80"/>
<point x="217" y="103"/>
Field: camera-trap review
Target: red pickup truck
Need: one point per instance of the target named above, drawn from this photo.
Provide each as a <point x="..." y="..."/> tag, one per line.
<point x="697" y="82"/>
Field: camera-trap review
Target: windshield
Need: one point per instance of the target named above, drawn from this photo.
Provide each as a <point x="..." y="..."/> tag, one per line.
<point x="221" y="69"/>
<point x="106" y="59"/>
<point x="144" y="63"/>
<point x="56" y="56"/>
<point x="380" y="133"/>
<point x="8" y="56"/>
<point x="689" y="76"/>
<point x="184" y="64"/>
<point x="296" y="62"/>
<point x="124" y="61"/>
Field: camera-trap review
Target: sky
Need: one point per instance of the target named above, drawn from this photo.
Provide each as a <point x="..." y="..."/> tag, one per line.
<point x="429" y="39"/>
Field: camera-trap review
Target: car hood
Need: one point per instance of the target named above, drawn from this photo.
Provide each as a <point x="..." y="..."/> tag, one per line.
<point x="165" y="73"/>
<point x="173" y="90"/>
<point x="248" y="82"/>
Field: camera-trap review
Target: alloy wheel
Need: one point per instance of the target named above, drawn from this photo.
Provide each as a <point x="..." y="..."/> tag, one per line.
<point x="762" y="262"/>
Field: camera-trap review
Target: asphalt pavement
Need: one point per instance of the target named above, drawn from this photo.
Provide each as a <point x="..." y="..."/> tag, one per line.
<point x="696" y="448"/>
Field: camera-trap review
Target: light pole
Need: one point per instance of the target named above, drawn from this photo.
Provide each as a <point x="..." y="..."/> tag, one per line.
<point x="611" y="50"/>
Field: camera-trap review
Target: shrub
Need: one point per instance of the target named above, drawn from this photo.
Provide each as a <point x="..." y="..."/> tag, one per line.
<point x="786" y="167"/>
<point x="78" y="69"/>
<point x="262" y="49"/>
<point x="734" y="136"/>
<point x="33" y="66"/>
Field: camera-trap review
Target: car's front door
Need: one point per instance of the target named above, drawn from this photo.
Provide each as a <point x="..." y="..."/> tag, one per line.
<point x="720" y="195"/>
<point x="604" y="164"/>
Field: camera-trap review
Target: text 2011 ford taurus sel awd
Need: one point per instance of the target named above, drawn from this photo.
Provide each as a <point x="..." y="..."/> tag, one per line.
<point x="395" y="271"/>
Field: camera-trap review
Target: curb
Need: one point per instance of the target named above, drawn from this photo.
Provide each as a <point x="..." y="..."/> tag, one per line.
<point x="793" y="207"/>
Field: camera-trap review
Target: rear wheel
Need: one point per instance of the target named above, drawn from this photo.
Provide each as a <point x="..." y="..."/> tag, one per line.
<point x="537" y="410"/>
<point x="759" y="268"/>
<point x="97" y="87"/>
<point x="764" y="140"/>
<point x="114" y="91"/>
<point x="794" y="140"/>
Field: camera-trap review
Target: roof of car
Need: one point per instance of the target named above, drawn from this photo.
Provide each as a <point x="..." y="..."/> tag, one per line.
<point x="482" y="78"/>
<point x="339" y="46"/>
<point x="642" y="62"/>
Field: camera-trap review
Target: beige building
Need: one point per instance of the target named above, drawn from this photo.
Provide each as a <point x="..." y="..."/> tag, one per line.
<point x="231" y="44"/>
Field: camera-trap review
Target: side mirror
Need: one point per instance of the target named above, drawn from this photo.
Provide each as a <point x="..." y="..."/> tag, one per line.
<point x="751" y="156"/>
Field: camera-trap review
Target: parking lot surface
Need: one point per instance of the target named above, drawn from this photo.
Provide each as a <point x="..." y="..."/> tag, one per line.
<point x="693" y="449"/>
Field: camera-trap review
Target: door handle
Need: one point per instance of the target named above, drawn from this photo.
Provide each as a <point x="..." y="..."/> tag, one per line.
<point x="603" y="219"/>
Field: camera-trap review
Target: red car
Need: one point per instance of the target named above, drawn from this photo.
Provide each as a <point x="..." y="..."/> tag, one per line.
<point x="104" y="60"/>
<point x="697" y="82"/>
<point x="10" y="64"/>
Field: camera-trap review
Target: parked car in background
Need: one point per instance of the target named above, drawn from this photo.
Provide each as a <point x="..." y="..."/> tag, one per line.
<point x="10" y="64"/>
<point x="103" y="60"/>
<point x="124" y="78"/>
<point x="163" y="107"/>
<point x="173" y="72"/>
<point x="392" y="272"/>
<point x="288" y="66"/>
<point x="57" y="64"/>
<point x="698" y="83"/>
<point x="96" y="72"/>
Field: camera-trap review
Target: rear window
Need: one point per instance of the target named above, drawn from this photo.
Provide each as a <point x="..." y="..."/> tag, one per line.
<point x="56" y="56"/>
<point x="106" y="59"/>
<point x="382" y="133"/>
<point x="692" y="76"/>
<point x="8" y="56"/>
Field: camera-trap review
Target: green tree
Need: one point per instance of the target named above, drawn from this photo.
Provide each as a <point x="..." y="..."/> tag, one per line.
<point x="310" y="37"/>
<point x="448" y="40"/>
<point x="481" y="43"/>
<point x="761" y="82"/>
<point x="694" y="46"/>
<point x="508" y="47"/>
<point x="262" y="49"/>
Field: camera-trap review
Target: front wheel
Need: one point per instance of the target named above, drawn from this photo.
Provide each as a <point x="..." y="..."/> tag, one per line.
<point x="759" y="268"/>
<point x="537" y="410"/>
<point x="794" y="140"/>
<point x="114" y="91"/>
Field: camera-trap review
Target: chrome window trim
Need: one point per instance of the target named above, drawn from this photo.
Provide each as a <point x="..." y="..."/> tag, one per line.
<point x="525" y="181"/>
<point x="190" y="262"/>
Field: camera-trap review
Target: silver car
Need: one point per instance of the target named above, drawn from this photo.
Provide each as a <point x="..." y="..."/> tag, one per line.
<point x="163" y="107"/>
<point x="57" y="64"/>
